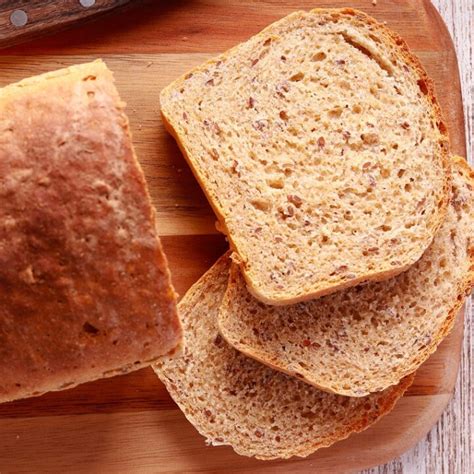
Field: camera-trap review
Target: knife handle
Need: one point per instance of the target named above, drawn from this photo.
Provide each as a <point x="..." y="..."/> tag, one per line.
<point x="22" y="20"/>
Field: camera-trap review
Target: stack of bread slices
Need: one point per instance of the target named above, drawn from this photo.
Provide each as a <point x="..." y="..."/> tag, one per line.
<point x="321" y="147"/>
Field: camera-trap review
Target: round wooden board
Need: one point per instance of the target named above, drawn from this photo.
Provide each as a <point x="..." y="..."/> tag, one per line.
<point x="129" y="423"/>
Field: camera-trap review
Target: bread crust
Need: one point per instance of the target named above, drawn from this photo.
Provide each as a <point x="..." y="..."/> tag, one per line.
<point x="85" y="289"/>
<point x="390" y="377"/>
<point x="175" y="374"/>
<point x="282" y="298"/>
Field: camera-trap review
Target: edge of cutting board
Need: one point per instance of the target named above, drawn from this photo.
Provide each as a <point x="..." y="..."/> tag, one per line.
<point x="129" y="423"/>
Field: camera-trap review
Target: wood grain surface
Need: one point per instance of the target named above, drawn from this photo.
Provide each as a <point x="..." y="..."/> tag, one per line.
<point x="129" y="423"/>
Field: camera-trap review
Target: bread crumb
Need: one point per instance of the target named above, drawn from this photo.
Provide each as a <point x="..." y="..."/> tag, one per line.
<point x="149" y="64"/>
<point x="374" y="3"/>
<point x="27" y="275"/>
<point x="281" y="141"/>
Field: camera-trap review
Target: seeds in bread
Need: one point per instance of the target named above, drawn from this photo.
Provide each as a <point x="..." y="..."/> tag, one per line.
<point x="367" y="338"/>
<point x="322" y="149"/>
<point x="234" y="400"/>
<point x="85" y="289"/>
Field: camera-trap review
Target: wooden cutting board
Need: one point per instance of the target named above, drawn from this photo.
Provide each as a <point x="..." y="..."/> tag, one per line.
<point x="129" y="423"/>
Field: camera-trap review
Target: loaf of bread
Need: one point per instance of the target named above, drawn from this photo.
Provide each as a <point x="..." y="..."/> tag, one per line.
<point x="366" y="338"/>
<point x="234" y="400"/>
<point x="85" y="289"/>
<point x="322" y="149"/>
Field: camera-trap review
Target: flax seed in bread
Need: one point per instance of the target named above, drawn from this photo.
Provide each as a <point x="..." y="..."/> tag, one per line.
<point x="321" y="146"/>
<point x="366" y="338"/>
<point x="234" y="400"/>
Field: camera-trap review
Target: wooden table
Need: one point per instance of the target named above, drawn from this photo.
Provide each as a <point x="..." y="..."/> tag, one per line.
<point x="448" y="448"/>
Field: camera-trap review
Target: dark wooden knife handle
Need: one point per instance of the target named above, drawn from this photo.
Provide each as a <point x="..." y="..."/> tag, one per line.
<point x="23" y="20"/>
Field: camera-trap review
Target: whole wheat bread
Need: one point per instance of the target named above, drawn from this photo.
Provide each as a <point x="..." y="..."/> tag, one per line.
<point x="234" y="400"/>
<point x="85" y="289"/>
<point x="322" y="149"/>
<point x="366" y="338"/>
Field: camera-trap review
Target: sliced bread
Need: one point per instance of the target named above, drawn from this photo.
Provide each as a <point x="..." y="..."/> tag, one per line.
<point x="322" y="149"/>
<point x="234" y="400"/>
<point x="85" y="289"/>
<point x="366" y="338"/>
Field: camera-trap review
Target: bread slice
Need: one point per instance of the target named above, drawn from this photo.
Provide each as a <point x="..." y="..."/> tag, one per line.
<point x="366" y="338"/>
<point x="322" y="149"/>
<point x="234" y="400"/>
<point x="85" y="290"/>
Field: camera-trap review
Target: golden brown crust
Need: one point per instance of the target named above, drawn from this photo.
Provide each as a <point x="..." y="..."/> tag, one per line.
<point x="466" y="286"/>
<point x="85" y="289"/>
<point x="426" y="85"/>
